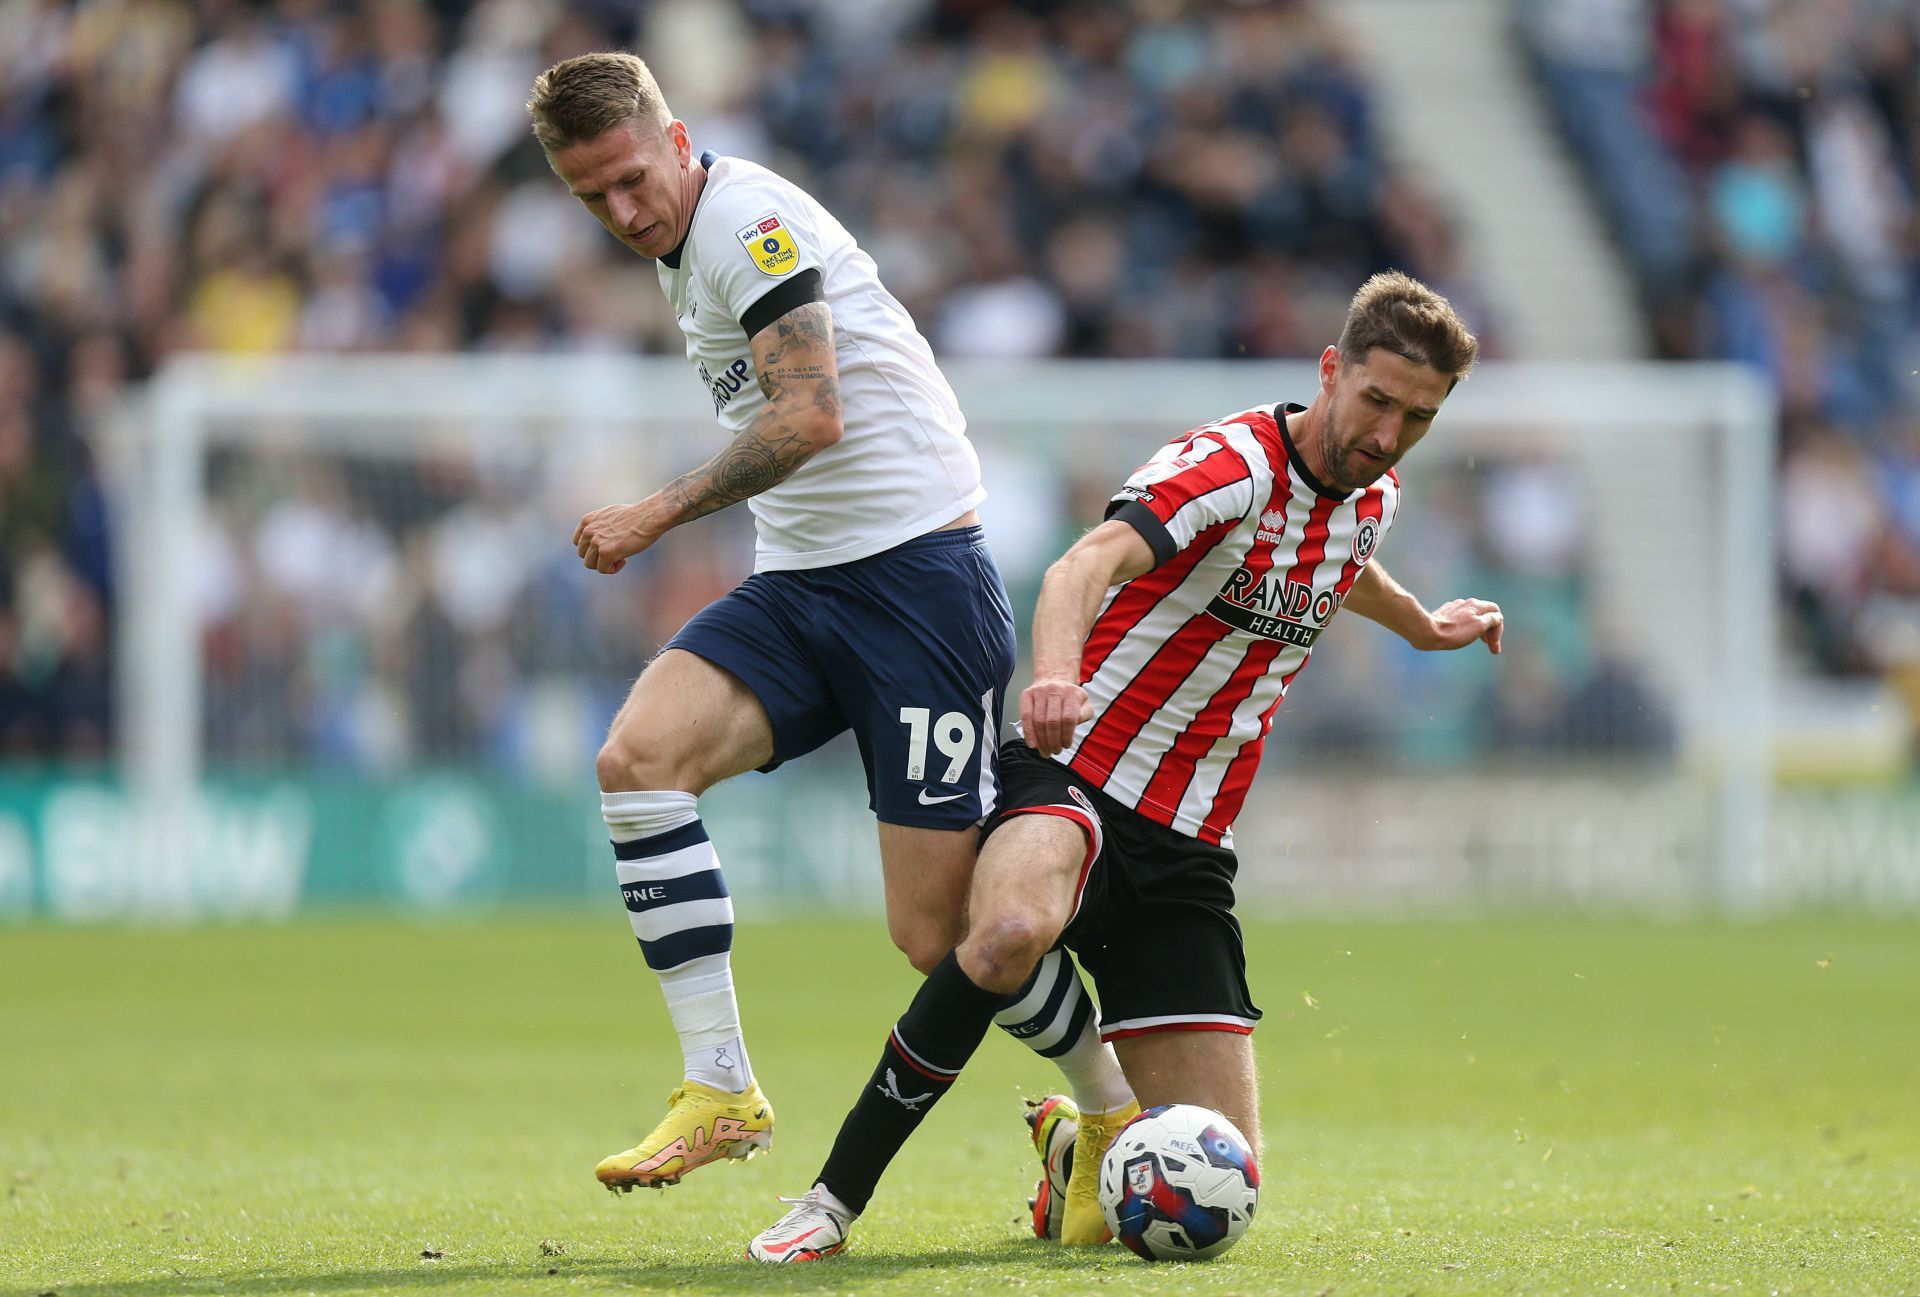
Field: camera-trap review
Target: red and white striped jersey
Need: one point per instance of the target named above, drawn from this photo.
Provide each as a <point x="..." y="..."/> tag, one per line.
<point x="1187" y="664"/>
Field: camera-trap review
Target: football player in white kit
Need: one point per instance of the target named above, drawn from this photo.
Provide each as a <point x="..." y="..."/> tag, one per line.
<point x="874" y="604"/>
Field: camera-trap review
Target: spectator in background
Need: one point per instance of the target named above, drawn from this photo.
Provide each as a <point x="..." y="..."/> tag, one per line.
<point x="1830" y="522"/>
<point x="1890" y="618"/>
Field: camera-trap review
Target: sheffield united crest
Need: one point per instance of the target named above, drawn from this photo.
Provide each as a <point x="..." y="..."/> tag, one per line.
<point x="1365" y="539"/>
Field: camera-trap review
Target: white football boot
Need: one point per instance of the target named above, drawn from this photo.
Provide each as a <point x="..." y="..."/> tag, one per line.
<point x="814" y="1230"/>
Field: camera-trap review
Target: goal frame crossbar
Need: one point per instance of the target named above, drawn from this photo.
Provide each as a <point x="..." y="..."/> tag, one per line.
<point x="200" y="403"/>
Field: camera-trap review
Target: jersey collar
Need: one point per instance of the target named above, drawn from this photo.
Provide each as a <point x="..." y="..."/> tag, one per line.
<point x="1280" y="413"/>
<point x="672" y="259"/>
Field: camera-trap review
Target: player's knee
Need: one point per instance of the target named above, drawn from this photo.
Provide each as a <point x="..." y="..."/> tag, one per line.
<point x="1000" y="952"/>
<point x="924" y="937"/>
<point x="624" y="767"/>
<point x="614" y="769"/>
<point x="618" y="769"/>
<point x="923" y="948"/>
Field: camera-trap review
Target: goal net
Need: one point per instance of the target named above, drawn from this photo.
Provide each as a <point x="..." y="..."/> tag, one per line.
<point x="360" y="659"/>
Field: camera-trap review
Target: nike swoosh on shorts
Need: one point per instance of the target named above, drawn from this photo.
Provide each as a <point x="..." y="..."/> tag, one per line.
<point x="935" y="801"/>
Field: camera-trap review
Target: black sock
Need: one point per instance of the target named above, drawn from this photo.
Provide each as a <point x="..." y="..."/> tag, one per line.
<point x="925" y="1051"/>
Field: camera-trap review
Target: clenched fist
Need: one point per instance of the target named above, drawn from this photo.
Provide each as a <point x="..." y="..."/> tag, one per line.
<point x="607" y="538"/>
<point x="1050" y="711"/>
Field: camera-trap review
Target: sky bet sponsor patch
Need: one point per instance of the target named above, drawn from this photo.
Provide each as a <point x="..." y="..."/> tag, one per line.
<point x="770" y="245"/>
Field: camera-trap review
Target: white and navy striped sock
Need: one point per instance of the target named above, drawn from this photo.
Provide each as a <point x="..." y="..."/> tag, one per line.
<point x="681" y="911"/>
<point x="1054" y="1017"/>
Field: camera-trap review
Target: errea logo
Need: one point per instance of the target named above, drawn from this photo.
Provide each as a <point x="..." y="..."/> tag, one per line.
<point x="1273" y="525"/>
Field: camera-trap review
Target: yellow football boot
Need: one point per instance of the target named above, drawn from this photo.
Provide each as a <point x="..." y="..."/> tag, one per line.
<point x="1083" y="1223"/>
<point x="702" y="1125"/>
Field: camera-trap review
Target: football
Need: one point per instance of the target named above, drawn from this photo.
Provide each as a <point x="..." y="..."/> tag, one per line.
<point x="1179" y="1183"/>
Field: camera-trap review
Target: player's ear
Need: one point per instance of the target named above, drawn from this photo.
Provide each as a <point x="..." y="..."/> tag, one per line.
<point x="682" y="145"/>
<point x="1329" y="367"/>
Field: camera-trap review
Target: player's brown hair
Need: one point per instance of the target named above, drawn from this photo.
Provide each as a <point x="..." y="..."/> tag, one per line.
<point x="578" y="98"/>
<point x="1398" y="312"/>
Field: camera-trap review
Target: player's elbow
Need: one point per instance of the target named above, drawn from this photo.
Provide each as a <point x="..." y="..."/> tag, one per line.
<point x="1074" y="565"/>
<point x="812" y="430"/>
<point x="1080" y="568"/>
<point x="1061" y="579"/>
<point x="826" y="431"/>
<point x="817" y="412"/>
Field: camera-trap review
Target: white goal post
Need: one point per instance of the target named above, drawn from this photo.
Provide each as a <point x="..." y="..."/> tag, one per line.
<point x="1670" y="466"/>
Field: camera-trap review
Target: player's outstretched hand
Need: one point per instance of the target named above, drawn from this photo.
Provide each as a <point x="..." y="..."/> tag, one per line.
<point x="1050" y="711"/>
<point x="1462" y="621"/>
<point x="607" y="538"/>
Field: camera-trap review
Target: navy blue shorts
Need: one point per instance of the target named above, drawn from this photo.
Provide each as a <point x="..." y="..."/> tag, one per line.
<point x="911" y="649"/>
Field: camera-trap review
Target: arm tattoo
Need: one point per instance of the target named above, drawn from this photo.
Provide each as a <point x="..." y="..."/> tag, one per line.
<point x="826" y="397"/>
<point x="763" y="456"/>
<point x="770" y="451"/>
<point x="806" y="327"/>
<point x="774" y="382"/>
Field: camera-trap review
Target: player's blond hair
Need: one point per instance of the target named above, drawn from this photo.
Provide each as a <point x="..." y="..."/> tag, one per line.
<point x="1398" y="312"/>
<point x="579" y="98"/>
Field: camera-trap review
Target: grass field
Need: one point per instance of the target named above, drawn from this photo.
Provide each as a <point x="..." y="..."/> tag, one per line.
<point x="1539" y="1106"/>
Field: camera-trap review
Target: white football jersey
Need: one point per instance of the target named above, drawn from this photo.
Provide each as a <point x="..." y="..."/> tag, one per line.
<point x="903" y="465"/>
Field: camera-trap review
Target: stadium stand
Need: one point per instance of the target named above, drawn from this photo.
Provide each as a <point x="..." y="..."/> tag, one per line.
<point x="1759" y="164"/>
<point x="1036" y="179"/>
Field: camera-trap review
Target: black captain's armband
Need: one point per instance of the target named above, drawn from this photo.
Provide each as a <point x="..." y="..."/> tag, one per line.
<point x="798" y="291"/>
<point x="1151" y="529"/>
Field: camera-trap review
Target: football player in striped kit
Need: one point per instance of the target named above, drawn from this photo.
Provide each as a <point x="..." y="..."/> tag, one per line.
<point x="874" y="605"/>
<point x="1164" y="641"/>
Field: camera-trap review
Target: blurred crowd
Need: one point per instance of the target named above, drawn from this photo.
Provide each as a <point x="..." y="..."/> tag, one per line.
<point x="1760" y="160"/>
<point x="1035" y="180"/>
<point x="1067" y="178"/>
<point x="370" y="613"/>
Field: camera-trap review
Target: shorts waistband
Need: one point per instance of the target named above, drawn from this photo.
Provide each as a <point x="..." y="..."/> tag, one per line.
<point x="954" y="538"/>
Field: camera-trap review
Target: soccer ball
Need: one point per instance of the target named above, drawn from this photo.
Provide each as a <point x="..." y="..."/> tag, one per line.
<point x="1179" y="1183"/>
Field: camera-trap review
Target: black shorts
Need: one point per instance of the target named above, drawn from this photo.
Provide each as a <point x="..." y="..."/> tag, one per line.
<point x="1153" y="919"/>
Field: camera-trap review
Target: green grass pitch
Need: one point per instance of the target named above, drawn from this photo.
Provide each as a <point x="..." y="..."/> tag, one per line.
<point x="1519" y="1106"/>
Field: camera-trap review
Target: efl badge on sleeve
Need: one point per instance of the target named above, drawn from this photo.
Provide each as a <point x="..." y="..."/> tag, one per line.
<point x="770" y="244"/>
